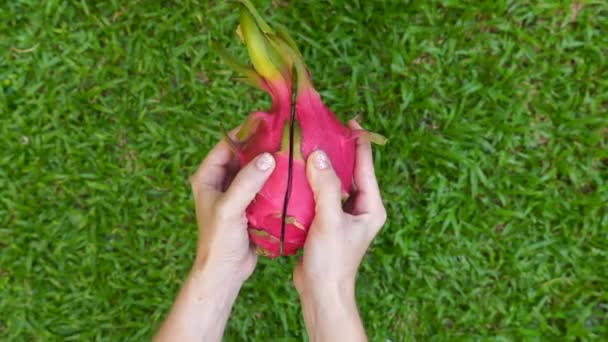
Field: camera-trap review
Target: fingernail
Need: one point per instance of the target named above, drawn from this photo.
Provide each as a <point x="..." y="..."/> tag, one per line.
<point x="264" y="162"/>
<point x="320" y="160"/>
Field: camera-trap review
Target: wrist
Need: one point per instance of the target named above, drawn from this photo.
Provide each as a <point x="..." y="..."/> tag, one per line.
<point x="327" y="306"/>
<point x="202" y="306"/>
<point x="328" y="293"/>
<point x="221" y="274"/>
<point x="208" y="278"/>
<point x="309" y="286"/>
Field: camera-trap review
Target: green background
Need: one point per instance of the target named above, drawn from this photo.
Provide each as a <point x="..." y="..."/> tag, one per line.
<point x="495" y="177"/>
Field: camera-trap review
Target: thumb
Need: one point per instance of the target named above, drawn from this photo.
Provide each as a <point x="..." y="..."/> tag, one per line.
<point x="248" y="181"/>
<point x="325" y="185"/>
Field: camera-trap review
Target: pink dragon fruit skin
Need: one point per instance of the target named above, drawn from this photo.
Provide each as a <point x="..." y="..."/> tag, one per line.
<point x="275" y="57"/>
<point x="321" y="130"/>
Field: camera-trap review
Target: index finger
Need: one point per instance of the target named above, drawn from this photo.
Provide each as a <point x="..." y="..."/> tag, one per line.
<point x="213" y="170"/>
<point x="367" y="197"/>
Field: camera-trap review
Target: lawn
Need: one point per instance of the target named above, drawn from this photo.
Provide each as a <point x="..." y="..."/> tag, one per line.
<point x="495" y="177"/>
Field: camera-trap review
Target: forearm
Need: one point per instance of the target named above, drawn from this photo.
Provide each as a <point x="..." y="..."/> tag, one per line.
<point x="201" y="309"/>
<point x="330" y="314"/>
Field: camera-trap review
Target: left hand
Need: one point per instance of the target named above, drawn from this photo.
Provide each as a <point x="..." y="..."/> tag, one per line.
<point x="221" y="196"/>
<point x="224" y="259"/>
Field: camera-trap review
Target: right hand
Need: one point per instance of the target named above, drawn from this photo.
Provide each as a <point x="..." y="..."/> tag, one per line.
<point x="338" y="240"/>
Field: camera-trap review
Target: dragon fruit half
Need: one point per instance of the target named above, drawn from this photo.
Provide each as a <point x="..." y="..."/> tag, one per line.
<point x="297" y="124"/>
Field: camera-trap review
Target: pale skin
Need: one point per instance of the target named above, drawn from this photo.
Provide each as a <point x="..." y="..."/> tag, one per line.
<point x="325" y="275"/>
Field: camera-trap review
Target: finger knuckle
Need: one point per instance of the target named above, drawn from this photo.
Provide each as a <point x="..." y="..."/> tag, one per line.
<point x="194" y="180"/>
<point x="376" y="219"/>
<point x="248" y="179"/>
<point x="334" y="179"/>
<point x="324" y="187"/>
<point x="333" y="184"/>
<point x="382" y="216"/>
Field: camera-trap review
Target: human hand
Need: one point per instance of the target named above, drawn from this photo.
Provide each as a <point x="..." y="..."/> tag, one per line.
<point x="335" y="245"/>
<point x="337" y="240"/>
<point x="221" y="196"/>
<point x="224" y="259"/>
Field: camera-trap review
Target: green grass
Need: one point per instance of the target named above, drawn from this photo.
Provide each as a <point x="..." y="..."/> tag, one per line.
<point x="495" y="177"/>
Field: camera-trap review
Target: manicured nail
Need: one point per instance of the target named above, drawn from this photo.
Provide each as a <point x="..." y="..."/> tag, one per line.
<point x="264" y="162"/>
<point x="320" y="160"/>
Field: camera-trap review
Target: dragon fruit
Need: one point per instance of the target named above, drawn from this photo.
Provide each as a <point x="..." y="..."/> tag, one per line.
<point x="297" y="124"/>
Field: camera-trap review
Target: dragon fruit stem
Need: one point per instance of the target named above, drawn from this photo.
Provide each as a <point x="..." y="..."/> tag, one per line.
<point x="256" y="16"/>
<point x="301" y="74"/>
<point x="266" y="60"/>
